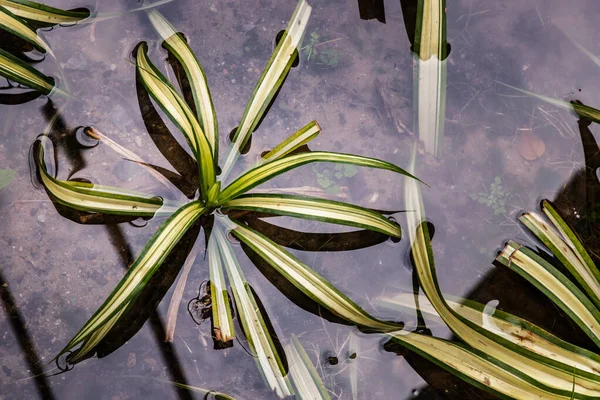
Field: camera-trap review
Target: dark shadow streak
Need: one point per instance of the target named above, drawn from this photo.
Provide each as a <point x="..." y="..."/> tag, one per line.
<point x="17" y="323"/>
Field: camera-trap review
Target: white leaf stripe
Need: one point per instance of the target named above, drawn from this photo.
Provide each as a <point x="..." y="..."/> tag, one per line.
<point x="565" y="253"/>
<point x="257" y="334"/>
<point x="303" y="136"/>
<point x="13" y="24"/>
<point x="181" y="115"/>
<point x="269" y="82"/>
<point x="570" y="238"/>
<point x="307" y="280"/>
<point x="555" y="285"/>
<point x="518" y="330"/>
<point x="262" y="173"/>
<point x="542" y="372"/>
<point x="221" y="310"/>
<point x="43" y="13"/>
<point x="98" y="198"/>
<point x="484" y="372"/>
<point x="205" y="110"/>
<point x="316" y="209"/>
<point x="18" y="71"/>
<point x="142" y="270"/>
<point x="305" y="378"/>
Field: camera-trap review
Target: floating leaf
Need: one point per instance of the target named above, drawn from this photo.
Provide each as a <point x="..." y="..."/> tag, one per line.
<point x="305" y="378"/>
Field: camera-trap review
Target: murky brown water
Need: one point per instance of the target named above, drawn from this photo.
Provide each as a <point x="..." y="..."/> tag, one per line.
<point x="58" y="272"/>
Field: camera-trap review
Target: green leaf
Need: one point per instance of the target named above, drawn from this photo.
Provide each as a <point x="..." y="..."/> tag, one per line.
<point x="546" y="373"/>
<point x="182" y="116"/>
<point x="178" y="46"/>
<point x="303" y="136"/>
<point x="269" y="83"/>
<point x="15" y="25"/>
<point x="42" y="13"/>
<point x="263" y="173"/>
<point x="317" y="209"/>
<point x="6" y="177"/>
<point x="136" y="278"/>
<point x="513" y="328"/>
<point x="97" y="198"/>
<point x="474" y="367"/>
<point x="305" y="378"/>
<point x="18" y="71"/>
<point x="565" y="294"/>
<point x="267" y="358"/>
<point x="308" y="281"/>
<point x="350" y="170"/>
<point x="586" y="274"/>
<point x="221" y="309"/>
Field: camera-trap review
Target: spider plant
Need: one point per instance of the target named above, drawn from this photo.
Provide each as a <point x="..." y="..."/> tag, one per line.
<point x="215" y="206"/>
<point x="502" y="353"/>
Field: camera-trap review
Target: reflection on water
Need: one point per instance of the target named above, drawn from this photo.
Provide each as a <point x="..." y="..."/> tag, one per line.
<point x="56" y="272"/>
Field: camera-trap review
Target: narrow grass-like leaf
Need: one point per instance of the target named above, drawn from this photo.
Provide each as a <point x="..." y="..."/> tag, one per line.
<point x="263" y="173"/>
<point x="587" y="277"/>
<point x="98" y="198"/>
<point x="517" y="330"/>
<point x="178" y="46"/>
<point x="267" y="358"/>
<point x="269" y="82"/>
<point x="546" y="373"/>
<point x="19" y="71"/>
<point x="6" y="177"/>
<point x="95" y="338"/>
<point x="317" y="209"/>
<point x="475" y="367"/>
<point x="42" y="13"/>
<point x="15" y="25"/>
<point x="308" y="281"/>
<point x="303" y="136"/>
<point x="585" y="51"/>
<point x="305" y="378"/>
<point x="142" y="270"/>
<point x="430" y="73"/>
<point x="544" y="276"/>
<point x="580" y="109"/>
<point x="182" y="116"/>
<point x="221" y="308"/>
<point x="175" y="303"/>
<point x="570" y="238"/>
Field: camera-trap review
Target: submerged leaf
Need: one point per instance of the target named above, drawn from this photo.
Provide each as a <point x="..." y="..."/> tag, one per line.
<point x="305" y="378"/>
<point x="267" y="358"/>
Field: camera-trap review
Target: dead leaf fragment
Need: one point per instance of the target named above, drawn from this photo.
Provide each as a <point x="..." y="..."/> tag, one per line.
<point x="531" y="146"/>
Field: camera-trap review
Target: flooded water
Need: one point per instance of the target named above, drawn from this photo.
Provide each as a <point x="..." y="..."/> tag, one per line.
<point x="498" y="144"/>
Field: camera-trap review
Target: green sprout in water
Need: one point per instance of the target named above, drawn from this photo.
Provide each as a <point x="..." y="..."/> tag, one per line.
<point x="6" y="177"/>
<point x="325" y="58"/>
<point x="494" y="199"/>
<point x="329" y="178"/>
